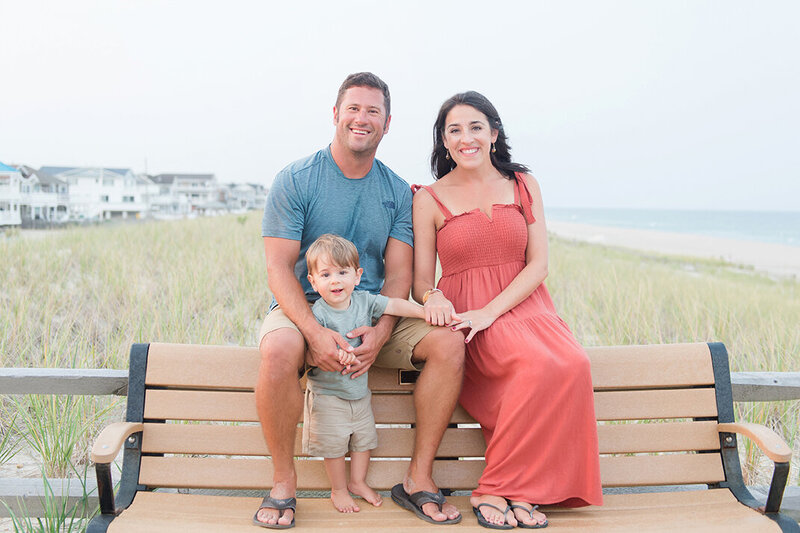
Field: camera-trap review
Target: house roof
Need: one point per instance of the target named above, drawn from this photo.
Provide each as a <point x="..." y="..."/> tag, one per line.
<point x="56" y="170"/>
<point x="44" y="177"/>
<point x="6" y="168"/>
<point x="61" y="170"/>
<point x="166" y="179"/>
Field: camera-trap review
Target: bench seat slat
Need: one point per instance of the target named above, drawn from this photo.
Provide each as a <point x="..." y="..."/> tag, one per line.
<point x="615" y="471"/>
<point x="673" y="511"/>
<point x="248" y="440"/>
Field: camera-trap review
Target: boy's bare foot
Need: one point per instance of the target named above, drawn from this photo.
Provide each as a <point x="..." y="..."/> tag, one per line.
<point x="494" y="516"/>
<point x="527" y="515"/>
<point x="360" y="488"/>
<point x="343" y="502"/>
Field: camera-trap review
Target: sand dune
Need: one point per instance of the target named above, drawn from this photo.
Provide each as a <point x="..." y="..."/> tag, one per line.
<point x="775" y="259"/>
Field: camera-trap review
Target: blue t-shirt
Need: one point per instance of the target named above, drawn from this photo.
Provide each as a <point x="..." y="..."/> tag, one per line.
<point x="311" y="197"/>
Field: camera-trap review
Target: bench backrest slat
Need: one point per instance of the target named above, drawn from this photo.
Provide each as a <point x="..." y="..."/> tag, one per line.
<point x="247" y="440"/>
<point x="257" y="473"/>
<point x="618" y="367"/>
<point x="208" y="439"/>
<point x="399" y="408"/>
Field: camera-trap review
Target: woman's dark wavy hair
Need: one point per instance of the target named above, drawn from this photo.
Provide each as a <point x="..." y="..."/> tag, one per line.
<point x="501" y="159"/>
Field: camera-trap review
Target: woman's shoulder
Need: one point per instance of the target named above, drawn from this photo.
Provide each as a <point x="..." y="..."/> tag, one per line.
<point x="423" y="193"/>
<point x="529" y="180"/>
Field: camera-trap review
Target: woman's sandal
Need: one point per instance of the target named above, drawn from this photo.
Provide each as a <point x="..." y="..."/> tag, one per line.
<point x="530" y="511"/>
<point x="485" y="523"/>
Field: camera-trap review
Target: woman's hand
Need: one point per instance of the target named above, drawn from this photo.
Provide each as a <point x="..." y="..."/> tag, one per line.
<point x="439" y="311"/>
<point x="476" y="321"/>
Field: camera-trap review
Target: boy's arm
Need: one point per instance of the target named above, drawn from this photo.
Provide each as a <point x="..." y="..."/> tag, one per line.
<point x="400" y="307"/>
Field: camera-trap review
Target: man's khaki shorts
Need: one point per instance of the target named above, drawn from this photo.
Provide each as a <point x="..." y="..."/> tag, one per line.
<point x="397" y="351"/>
<point x="333" y="426"/>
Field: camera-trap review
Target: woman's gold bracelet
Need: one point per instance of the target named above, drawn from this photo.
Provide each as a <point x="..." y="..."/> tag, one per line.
<point x="428" y="295"/>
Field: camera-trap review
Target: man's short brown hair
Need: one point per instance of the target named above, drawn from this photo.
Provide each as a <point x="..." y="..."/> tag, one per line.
<point x="366" y="79"/>
<point x="341" y="252"/>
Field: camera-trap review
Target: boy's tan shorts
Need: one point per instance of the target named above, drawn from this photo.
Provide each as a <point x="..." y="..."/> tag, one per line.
<point x="397" y="351"/>
<point x="332" y="425"/>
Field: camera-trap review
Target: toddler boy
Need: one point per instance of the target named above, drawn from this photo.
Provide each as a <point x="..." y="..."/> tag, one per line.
<point x="337" y="416"/>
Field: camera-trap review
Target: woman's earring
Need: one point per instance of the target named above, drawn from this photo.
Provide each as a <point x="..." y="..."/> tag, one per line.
<point x="493" y="148"/>
<point x="446" y="153"/>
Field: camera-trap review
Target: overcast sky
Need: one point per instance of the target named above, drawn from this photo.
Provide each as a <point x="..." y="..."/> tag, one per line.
<point x="668" y="104"/>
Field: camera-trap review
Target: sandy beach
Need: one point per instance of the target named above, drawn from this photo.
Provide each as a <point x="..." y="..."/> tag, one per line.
<point x="774" y="259"/>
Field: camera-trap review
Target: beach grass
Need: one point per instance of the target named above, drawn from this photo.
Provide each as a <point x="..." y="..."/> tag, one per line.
<point x="79" y="297"/>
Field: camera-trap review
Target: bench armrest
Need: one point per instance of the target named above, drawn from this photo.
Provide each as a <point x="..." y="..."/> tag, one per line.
<point x="773" y="447"/>
<point x="111" y="439"/>
<point x="767" y="440"/>
<point x="105" y="449"/>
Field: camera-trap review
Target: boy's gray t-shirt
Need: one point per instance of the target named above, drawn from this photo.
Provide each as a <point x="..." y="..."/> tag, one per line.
<point x="365" y="308"/>
<point x="311" y="197"/>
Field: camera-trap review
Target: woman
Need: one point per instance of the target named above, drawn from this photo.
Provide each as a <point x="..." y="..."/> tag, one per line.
<point x="527" y="381"/>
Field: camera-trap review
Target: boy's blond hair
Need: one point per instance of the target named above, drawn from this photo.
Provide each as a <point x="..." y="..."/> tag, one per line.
<point x="339" y="250"/>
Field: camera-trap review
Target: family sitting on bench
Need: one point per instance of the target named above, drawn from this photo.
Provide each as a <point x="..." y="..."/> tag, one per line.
<point x="487" y="336"/>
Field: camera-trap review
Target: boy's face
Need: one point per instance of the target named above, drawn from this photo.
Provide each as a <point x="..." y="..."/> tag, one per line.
<point x="334" y="283"/>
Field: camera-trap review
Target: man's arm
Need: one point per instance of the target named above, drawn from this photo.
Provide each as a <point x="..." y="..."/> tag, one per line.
<point x="281" y="256"/>
<point x="398" y="261"/>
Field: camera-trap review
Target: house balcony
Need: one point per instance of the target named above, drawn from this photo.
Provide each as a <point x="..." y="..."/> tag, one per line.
<point x="10" y="218"/>
<point x="43" y="199"/>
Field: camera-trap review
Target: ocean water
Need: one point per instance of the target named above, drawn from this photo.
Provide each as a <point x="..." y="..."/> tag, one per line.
<point x="781" y="227"/>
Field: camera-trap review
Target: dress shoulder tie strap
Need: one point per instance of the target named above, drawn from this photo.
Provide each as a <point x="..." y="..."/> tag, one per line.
<point x="446" y="212"/>
<point x="523" y="196"/>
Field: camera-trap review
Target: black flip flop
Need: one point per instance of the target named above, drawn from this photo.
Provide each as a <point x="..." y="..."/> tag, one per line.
<point x="530" y="512"/>
<point x="485" y="523"/>
<point x="414" y="503"/>
<point x="281" y="505"/>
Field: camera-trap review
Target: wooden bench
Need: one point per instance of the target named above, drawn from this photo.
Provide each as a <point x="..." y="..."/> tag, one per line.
<point x="665" y="419"/>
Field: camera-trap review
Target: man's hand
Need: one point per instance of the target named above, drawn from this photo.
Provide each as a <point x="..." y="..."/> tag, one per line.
<point x="323" y="348"/>
<point x="372" y="340"/>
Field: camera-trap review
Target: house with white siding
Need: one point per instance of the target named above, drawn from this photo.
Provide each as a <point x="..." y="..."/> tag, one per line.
<point x="244" y="196"/>
<point x="10" y="196"/>
<point x="44" y="198"/>
<point x="102" y="193"/>
<point x="186" y="193"/>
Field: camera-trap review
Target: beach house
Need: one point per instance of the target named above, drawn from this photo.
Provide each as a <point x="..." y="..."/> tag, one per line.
<point x="44" y="199"/>
<point x="102" y="193"/>
<point x="184" y="194"/>
<point x="243" y="196"/>
<point x="10" y="195"/>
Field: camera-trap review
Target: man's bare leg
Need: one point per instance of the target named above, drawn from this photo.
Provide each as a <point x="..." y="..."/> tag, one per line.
<point x="435" y="398"/>
<point x="279" y="402"/>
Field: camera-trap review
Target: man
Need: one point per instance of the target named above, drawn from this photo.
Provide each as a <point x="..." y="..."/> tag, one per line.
<point x="344" y="190"/>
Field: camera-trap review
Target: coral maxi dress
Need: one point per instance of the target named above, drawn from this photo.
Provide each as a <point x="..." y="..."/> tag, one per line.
<point x="527" y="380"/>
